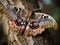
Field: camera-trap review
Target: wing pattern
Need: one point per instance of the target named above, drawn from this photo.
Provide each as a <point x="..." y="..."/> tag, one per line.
<point x="45" y="20"/>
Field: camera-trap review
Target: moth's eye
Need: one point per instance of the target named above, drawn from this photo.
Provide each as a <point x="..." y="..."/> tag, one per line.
<point x="42" y="16"/>
<point x="19" y="9"/>
<point x="15" y="9"/>
<point x="45" y="17"/>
